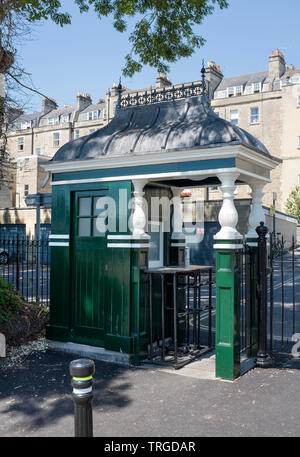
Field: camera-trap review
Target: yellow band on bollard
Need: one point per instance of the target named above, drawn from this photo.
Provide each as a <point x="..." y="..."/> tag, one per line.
<point x="83" y="379"/>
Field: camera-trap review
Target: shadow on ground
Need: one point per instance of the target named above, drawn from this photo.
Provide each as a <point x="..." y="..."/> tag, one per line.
<point x="39" y="391"/>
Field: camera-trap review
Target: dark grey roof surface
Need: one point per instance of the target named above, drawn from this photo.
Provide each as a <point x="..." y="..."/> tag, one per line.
<point x="243" y="80"/>
<point x="16" y="123"/>
<point x="60" y="111"/>
<point x="172" y="125"/>
<point x="93" y="107"/>
<point x="28" y="117"/>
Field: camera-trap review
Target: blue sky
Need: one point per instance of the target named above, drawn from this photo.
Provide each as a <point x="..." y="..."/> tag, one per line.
<point x="88" y="55"/>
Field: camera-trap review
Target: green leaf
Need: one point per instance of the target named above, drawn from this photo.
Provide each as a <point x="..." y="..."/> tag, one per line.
<point x="164" y="32"/>
<point x="292" y="205"/>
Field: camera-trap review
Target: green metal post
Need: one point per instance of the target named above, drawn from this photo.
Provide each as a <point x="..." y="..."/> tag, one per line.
<point x="228" y="277"/>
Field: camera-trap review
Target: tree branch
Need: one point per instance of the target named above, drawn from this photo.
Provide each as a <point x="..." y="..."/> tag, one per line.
<point x="27" y="87"/>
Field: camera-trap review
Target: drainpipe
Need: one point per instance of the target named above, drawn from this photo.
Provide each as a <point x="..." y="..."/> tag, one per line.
<point x="32" y="141"/>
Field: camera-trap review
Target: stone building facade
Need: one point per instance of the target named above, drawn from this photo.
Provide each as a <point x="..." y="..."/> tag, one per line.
<point x="266" y="104"/>
<point x="33" y="139"/>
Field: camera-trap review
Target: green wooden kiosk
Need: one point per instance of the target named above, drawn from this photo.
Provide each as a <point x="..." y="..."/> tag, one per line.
<point x="157" y="144"/>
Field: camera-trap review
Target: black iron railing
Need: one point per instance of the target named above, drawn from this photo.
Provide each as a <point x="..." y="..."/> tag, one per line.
<point x="165" y="94"/>
<point x="181" y="324"/>
<point x="283" y="295"/>
<point x="25" y="263"/>
<point x="277" y="293"/>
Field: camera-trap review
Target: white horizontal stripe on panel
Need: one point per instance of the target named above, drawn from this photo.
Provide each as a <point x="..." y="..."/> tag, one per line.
<point x="128" y="245"/>
<point x="128" y="237"/>
<point x="58" y="244"/>
<point x="59" y="237"/>
<point x="228" y="246"/>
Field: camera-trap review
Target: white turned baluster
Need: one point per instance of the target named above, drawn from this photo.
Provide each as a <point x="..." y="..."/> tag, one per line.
<point x="177" y="215"/>
<point x="228" y="215"/>
<point x="257" y="213"/>
<point x="138" y="216"/>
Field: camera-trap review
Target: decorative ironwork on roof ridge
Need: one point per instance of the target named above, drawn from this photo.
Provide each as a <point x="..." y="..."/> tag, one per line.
<point x="149" y="97"/>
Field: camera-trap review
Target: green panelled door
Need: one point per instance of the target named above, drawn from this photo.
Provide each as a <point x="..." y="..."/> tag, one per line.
<point x="89" y="264"/>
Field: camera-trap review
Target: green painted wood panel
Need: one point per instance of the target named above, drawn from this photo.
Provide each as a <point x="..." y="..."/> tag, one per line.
<point x="147" y="169"/>
<point x="90" y="283"/>
<point x="228" y="277"/>
<point x="88" y="272"/>
<point x="58" y="327"/>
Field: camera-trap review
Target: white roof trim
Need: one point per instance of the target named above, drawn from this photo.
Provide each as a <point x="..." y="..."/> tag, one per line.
<point x="232" y="151"/>
<point x="159" y="176"/>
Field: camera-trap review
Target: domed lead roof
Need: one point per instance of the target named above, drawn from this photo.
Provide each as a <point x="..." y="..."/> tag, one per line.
<point x="173" y="125"/>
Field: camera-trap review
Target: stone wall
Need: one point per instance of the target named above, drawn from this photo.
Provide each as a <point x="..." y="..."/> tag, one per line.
<point x="25" y="216"/>
<point x="286" y="227"/>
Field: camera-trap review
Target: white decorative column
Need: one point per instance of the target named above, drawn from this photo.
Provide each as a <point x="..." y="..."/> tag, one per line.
<point x="228" y="215"/>
<point x="139" y="219"/>
<point x="178" y="245"/>
<point x="177" y="217"/>
<point x="228" y="248"/>
<point x="257" y="213"/>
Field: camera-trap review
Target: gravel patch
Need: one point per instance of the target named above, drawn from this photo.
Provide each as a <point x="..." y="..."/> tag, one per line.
<point x="16" y="355"/>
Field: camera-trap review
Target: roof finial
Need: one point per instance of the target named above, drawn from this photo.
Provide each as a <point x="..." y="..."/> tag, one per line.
<point x="203" y="91"/>
<point x="119" y="89"/>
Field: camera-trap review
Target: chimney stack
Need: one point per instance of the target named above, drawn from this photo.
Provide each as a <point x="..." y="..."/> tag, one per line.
<point x="214" y="76"/>
<point x="83" y="101"/>
<point x="48" y="104"/>
<point x="277" y="65"/>
<point x="115" y="90"/>
<point x="162" y="81"/>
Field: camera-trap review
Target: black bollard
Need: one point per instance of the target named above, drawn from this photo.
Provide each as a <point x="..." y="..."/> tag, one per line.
<point x="82" y="371"/>
<point x="263" y="359"/>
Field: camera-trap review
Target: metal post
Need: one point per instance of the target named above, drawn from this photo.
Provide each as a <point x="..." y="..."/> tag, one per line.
<point x="37" y="239"/>
<point x="198" y="289"/>
<point x="194" y="310"/>
<point x="18" y="264"/>
<point x="263" y="359"/>
<point x="209" y="307"/>
<point x="82" y="371"/>
<point x="150" y="317"/>
<point x="162" y="279"/>
<point x="282" y="292"/>
<point x="293" y="272"/>
<point x="271" y="293"/>
<point x="175" y="315"/>
<point x="248" y="302"/>
<point x="274" y="213"/>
